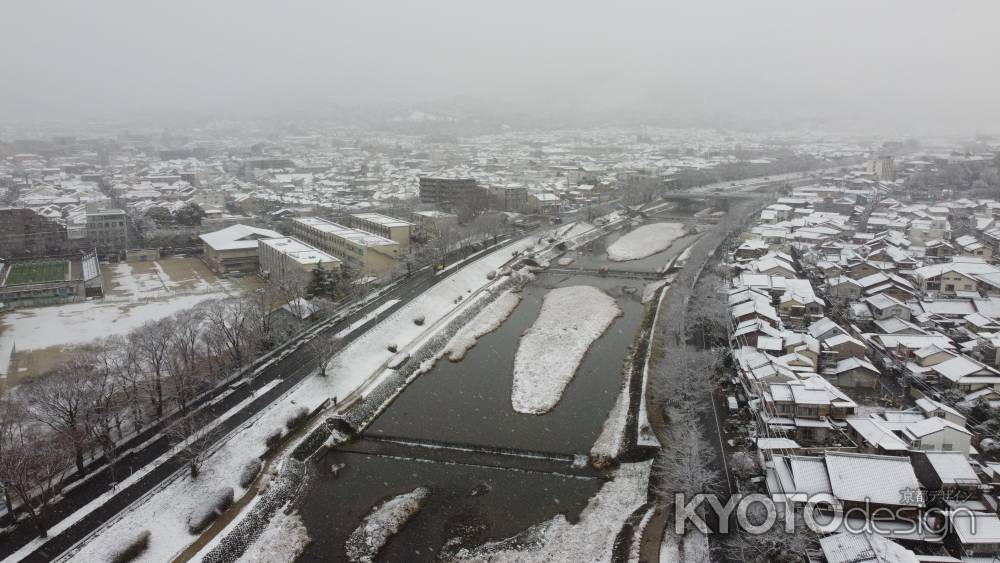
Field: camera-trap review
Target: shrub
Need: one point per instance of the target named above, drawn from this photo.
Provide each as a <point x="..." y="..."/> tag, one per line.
<point x="136" y="546"/>
<point x="249" y="472"/>
<point x="297" y="418"/>
<point x="273" y="439"/>
<point x="202" y="516"/>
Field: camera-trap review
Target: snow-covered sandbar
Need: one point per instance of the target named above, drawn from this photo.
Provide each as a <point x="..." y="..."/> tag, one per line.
<point x="645" y="241"/>
<point x="488" y="320"/>
<point x="550" y="352"/>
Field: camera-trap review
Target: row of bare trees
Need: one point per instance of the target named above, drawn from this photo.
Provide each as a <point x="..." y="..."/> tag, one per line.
<point x="120" y="385"/>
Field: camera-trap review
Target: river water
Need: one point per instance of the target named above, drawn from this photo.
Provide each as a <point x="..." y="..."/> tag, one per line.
<point x="438" y="431"/>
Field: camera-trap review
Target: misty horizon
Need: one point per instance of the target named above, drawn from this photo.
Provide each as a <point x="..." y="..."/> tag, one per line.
<point x="907" y="67"/>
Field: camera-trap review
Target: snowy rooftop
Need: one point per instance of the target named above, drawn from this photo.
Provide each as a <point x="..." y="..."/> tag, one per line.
<point x="299" y="251"/>
<point x="237" y="237"/>
<point x="358" y="237"/>
<point x="851" y="479"/>
<point x="383" y="220"/>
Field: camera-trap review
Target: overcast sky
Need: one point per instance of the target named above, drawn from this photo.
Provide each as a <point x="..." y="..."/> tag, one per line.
<point x="892" y="63"/>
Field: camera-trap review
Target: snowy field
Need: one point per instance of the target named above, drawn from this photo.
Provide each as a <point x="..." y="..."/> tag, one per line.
<point x="136" y="293"/>
<point x="645" y="241"/>
<point x="488" y="320"/>
<point x="590" y="539"/>
<point x="80" y="323"/>
<point x="356" y="367"/>
<point x="550" y="352"/>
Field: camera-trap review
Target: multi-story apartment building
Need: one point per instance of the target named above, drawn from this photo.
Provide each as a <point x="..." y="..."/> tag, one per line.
<point x="367" y="253"/>
<point x="457" y="193"/>
<point x="510" y="198"/>
<point x="281" y="258"/>
<point x="107" y="231"/>
<point x="385" y="226"/>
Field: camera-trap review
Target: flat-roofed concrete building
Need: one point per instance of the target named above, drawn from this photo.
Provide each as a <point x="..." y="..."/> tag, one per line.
<point x="367" y="253"/>
<point x="545" y="203"/>
<point x="510" y="198"/>
<point x="282" y="258"/>
<point x="234" y="249"/>
<point x="432" y="222"/>
<point x="385" y="226"/>
<point x="107" y="230"/>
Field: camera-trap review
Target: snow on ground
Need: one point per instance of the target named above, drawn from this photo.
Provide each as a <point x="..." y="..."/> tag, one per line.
<point x="696" y="548"/>
<point x="650" y="289"/>
<point x="670" y="550"/>
<point x="355" y="366"/>
<point x="636" y="547"/>
<point x="488" y="320"/>
<point x="6" y="351"/>
<point x="72" y="324"/>
<point x="136" y="284"/>
<point x="571" y="319"/>
<point x="645" y="241"/>
<point x="364" y="357"/>
<point x="164" y="278"/>
<point x="169" y="508"/>
<point x="284" y="539"/>
<point x="609" y="444"/>
<point x="576" y="229"/>
<point x="383" y="522"/>
<point x="590" y="539"/>
<point x="361" y="322"/>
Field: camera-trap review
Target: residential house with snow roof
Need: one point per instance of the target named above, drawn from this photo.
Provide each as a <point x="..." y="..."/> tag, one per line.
<point x="853" y="372"/>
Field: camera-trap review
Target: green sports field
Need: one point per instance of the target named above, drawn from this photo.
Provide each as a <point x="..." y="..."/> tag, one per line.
<point x="37" y="272"/>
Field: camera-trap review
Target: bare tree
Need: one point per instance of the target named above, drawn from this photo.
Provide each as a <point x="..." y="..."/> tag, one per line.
<point x="707" y="317"/>
<point x="187" y="359"/>
<point x="685" y="377"/>
<point x="773" y="545"/>
<point x="33" y="469"/>
<point x="232" y="322"/>
<point x="131" y="377"/>
<point x="12" y="416"/>
<point x="684" y="465"/>
<point x="323" y="347"/>
<point x="152" y="344"/>
<point x="108" y="400"/>
<point x="61" y="400"/>
<point x="193" y="441"/>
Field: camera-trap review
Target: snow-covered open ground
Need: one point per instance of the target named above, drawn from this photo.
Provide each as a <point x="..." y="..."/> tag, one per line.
<point x="356" y="366"/>
<point x="645" y="241"/>
<point x="488" y="320"/>
<point x="73" y="324"/>
<point x="550" y="352"/>
<point x="590" y="539"/>
<point x="384" y="521"/>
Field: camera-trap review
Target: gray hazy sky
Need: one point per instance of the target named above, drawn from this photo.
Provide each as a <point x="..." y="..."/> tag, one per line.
<point x="893" y="63"/>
